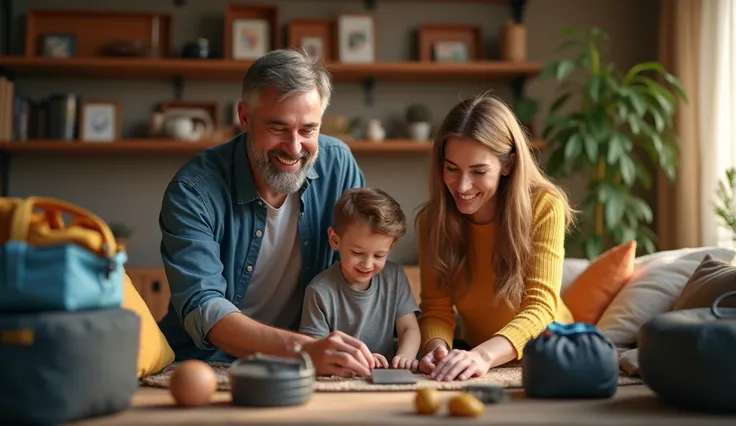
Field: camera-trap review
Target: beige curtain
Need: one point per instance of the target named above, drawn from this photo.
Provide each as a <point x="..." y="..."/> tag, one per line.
<point x="678" y="207"/>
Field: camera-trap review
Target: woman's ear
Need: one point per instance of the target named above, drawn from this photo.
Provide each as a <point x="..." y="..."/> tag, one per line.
<point x="508" y="165"/>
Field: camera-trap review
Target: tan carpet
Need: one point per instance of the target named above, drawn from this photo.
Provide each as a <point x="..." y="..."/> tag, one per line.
<point x="508" y="377"/>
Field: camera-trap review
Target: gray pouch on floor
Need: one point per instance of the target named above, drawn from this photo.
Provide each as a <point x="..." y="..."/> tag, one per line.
<point x="570" y="361"/>
<point x="61" y="366"/>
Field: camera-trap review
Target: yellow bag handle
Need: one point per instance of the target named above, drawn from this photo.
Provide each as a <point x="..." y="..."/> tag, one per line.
<point x="53" y="208"/>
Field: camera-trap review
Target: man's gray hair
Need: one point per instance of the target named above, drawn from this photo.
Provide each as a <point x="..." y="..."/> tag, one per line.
<point x="289" y="72"/>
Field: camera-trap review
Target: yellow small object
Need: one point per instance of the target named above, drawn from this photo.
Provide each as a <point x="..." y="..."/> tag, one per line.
<point x="427" y="401"/>
<point x="465" y="405"/>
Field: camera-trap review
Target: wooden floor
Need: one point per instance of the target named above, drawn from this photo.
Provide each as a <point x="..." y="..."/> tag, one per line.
<point x="631" y="405"/>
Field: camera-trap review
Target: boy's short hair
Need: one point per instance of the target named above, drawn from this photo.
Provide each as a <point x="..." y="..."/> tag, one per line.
<point x="372" y="206"/>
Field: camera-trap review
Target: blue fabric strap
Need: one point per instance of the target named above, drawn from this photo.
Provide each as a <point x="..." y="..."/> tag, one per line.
<point x="574" y="328"/>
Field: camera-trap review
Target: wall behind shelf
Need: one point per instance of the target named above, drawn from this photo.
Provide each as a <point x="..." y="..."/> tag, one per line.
<point x="130" y="189"/>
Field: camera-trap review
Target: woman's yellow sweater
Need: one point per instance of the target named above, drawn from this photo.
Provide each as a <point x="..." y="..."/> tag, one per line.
<point x="484" y="317"/>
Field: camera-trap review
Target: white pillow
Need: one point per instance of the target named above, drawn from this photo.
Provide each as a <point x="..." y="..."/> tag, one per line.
<point x="657" y="282"/>
<point x="571" y="269"/>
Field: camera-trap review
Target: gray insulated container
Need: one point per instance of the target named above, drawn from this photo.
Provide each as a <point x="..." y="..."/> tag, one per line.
<point x="270" y="381"/>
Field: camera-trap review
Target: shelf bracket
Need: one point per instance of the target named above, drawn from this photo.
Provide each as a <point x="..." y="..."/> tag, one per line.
<point x="369" y="85"/>
<point x="517" y="87"/>
<point x="4" y="174"/>
<point x="7" y="18"/>
<point x="178" y="87"/>
<point x="517" y="10"/>
<point x="370" y="4"/>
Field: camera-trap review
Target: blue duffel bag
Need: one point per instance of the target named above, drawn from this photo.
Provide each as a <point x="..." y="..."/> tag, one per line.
<point x="46" y="265"/>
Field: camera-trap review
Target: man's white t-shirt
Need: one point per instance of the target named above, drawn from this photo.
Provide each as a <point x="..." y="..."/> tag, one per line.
<point x="273" y="296"/>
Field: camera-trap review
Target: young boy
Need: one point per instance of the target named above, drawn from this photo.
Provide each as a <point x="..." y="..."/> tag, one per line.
<point x="363" y="295"/>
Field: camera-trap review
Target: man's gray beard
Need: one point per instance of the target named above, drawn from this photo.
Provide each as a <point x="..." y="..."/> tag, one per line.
<point x="279" y="180"/>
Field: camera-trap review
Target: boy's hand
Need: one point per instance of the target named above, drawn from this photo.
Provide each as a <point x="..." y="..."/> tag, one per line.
<point x="380" y="361"/>
<point x="404" y="363"/>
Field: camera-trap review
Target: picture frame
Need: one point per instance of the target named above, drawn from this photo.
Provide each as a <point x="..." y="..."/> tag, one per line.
<point x="58" y="45"/>
<point x="450" y="43"/>
<point x="99" y="121"/>
<point x="356" y="38"/>
<point x="251" y="31"/>
<point x="313" y="36"/>
<point x="451" y="51"/>
<point x="250" y="38"/>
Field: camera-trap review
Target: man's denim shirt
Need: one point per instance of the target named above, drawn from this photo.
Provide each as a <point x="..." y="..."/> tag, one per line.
<point x="212" y="222"/>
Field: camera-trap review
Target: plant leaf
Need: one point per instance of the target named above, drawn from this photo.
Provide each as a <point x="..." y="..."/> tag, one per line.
<point x="671" y="79"/>
<point x="614" y="210"/>
<point x="639" y="68"/>
<point x="592" y="247"/>
<point x="573" y="147"/>
<point x="591" y="148"/>
<point x="559" y="102"/>
<point x="616" y="148"/>
<point x="628" y="170"/>
<point x="563" y="69"/>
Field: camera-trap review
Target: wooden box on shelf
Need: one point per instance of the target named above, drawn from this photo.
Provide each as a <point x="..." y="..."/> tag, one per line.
<point x="153" y="287"/>
<point x="67" y="33"/>
<point x="452" y="41"/>
<point x="316" y="36"/>
<point x="258" y="23"/>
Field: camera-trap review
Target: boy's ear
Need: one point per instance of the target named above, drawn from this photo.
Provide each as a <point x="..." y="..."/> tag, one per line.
<point x="333" y="238"/>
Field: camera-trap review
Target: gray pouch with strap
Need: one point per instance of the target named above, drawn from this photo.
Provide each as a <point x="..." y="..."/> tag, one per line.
<point x="61" y="366"/>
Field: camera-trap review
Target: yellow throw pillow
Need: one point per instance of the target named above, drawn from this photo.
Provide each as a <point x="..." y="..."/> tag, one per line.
<point x="154" y="352"/>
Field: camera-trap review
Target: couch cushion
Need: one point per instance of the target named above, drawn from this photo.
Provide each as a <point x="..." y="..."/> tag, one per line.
<point x="656" y="284"/>
<point x="591" y="292"/>
<point x="711" y="279"/>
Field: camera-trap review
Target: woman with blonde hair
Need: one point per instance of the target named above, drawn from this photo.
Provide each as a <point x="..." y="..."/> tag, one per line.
<point x="491" y="243"/>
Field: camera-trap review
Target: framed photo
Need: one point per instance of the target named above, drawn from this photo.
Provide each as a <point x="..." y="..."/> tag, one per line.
<point x="58" y="45"/>
<point x="251" y="38"/>
<point x="356" y="38"/>
<point x="314" y="36"/>
<point x="99" y="121"/>
<point x="314" y="46"/>
<point x="450" y="43"/>
<point x="451" y="51"/>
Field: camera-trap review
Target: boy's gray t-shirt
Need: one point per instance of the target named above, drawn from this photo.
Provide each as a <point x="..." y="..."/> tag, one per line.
<point x="331" y="304"/>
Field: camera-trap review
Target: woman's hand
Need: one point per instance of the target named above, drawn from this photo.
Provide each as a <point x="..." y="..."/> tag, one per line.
<point x="461" y="365"/>
<point x="436" y="351"/>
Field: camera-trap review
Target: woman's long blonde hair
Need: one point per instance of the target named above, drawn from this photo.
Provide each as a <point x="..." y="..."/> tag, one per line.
<point x="491" y="122"/>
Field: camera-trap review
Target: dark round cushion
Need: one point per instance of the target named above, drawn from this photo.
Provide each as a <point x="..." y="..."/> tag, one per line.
<point x="570" y="361"/>
<point x="688" y="357"/>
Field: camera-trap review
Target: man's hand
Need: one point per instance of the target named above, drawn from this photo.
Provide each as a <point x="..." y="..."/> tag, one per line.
<point x="429" y="362"/>
<point x="404" y="363"/>
<point x="380" y="360"/>
<point x="461" y="365"/>
<point x="340" y="355"/>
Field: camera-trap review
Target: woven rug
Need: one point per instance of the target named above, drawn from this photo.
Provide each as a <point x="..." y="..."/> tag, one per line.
<point x="507" y="377"/>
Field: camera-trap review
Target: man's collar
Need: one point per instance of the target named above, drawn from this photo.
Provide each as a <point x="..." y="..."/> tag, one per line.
<point x="244" y="182"/>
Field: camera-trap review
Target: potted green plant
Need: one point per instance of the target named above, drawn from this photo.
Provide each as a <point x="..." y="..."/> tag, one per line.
<point x="526" y="109"/>
<point x="122" y="234"/>
<point x="419" y="118"/>
<point x="612" y="118"/>
<point x="725" y="208"/>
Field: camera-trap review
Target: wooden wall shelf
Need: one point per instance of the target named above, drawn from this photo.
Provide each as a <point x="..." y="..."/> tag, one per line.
<point x="390" y="147"/>
<point x="221" y="69"/>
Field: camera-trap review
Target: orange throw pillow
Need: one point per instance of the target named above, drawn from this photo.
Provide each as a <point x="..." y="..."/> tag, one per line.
<point x="591" y="292"/>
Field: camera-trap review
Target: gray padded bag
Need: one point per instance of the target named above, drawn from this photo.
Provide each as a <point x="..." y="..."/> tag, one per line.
<point x="62" y="366"/>
<point x="687" y="357"/>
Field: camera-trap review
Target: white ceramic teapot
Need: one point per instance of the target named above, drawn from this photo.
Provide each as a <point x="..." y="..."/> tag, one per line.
<point x="187" y="124"/>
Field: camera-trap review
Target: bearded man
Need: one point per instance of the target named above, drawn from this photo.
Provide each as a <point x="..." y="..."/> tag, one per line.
<point x="244" y="225"/>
